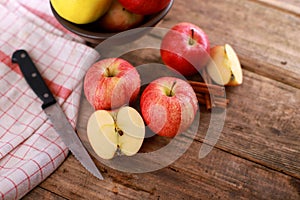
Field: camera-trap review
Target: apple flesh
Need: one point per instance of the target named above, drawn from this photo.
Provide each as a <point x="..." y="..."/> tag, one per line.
<point x="225" y="67"/>
<point x="168" y="106"/>
<point x="144" y="7"/>
<point x="117" y="132"/>
<point x="117" y="18"/>
<point x="111" y="83"/>
<point x="185" y="48"/>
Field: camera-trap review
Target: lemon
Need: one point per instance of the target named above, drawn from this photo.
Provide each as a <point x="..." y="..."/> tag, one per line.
<point x="81" y="11"/>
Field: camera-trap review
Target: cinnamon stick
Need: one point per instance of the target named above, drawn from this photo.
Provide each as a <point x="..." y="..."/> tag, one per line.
<point x="207" y="85"/>
<point x="208" y="93"/>
<point x="207" y="88"/>
<point x="212" y="96"/>
<point x="220" y="102"/>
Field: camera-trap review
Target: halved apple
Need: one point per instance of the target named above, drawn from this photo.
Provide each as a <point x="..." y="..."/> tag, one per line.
<point x="225" y="67"/>
<point x="121" y="131"/>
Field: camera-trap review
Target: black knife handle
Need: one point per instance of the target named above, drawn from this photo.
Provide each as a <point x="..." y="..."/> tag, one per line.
<point x="33" y="77"/>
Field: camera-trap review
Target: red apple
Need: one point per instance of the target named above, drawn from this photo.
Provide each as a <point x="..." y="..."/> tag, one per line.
<point x="144" y="7"/>
<point x="168" y="106"/>
<point x="118" y="18"/>
<point x="111" y="83"/>
<point x="185" y="48"/>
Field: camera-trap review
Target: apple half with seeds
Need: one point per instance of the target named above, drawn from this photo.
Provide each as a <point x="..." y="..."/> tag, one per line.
<point x="225" y="67"/>
<point x="118" y="132"/>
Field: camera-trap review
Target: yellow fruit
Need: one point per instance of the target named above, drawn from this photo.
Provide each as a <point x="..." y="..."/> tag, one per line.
<point x="81" y="11"/>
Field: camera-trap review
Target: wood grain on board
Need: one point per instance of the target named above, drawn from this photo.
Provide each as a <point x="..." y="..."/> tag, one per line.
<point x="257" y="154"/>
<point x="219" y="175"/>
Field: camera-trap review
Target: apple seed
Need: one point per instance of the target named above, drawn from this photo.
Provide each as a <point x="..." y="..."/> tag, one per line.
<point x="120" y="132"/>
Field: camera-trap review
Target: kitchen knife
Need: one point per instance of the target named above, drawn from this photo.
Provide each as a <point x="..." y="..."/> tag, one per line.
<point x="54" y="111"/>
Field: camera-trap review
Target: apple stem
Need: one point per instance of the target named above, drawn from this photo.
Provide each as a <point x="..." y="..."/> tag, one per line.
<point x="192" y="41"/>
<point x="171" y="90"/>
<point x="108" y="74"/>
<point x="107" y="71"/>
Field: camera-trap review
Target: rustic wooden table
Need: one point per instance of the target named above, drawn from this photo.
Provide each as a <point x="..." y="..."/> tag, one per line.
<point x="258" y="153"/>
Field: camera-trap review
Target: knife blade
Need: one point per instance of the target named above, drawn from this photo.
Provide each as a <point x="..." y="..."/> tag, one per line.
<point x="54" y="111"/>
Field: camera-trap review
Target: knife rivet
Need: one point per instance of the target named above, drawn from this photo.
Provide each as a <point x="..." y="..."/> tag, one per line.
<point x="33" y="75"/>
<point x="46" y="95"/>
<point x="23" y="55"/>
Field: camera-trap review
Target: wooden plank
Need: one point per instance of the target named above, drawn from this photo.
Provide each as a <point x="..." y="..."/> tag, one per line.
<point x="290" y="6"/>
<point x="265" y="39"/>
<point x="263" y="125"/>
<point x="271" y="71"/>
<point x="72" y="181"/>
<point x="40" y="193"/>
<point x="219" y="175"/>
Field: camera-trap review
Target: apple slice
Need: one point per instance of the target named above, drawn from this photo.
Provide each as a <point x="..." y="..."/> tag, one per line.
<point x="121" y="131"/>
<point x="236" y="69"/>
<point x="102" y="135"/>
<point x="225" y="67"/>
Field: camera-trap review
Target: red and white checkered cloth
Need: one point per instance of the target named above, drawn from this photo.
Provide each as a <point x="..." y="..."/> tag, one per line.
<point x="30" y="149"/>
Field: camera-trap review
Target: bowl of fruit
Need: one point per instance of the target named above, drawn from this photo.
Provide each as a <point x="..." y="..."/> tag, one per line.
<point x="97" y="20"/>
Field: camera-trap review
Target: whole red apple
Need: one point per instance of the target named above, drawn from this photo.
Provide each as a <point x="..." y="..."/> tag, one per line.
<point x="185" y="48"/>
<point x="117" y="18"/>
<point x="144" y="7"/>
<point x="168" y="106"/>
<point x="111" y="83"/>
